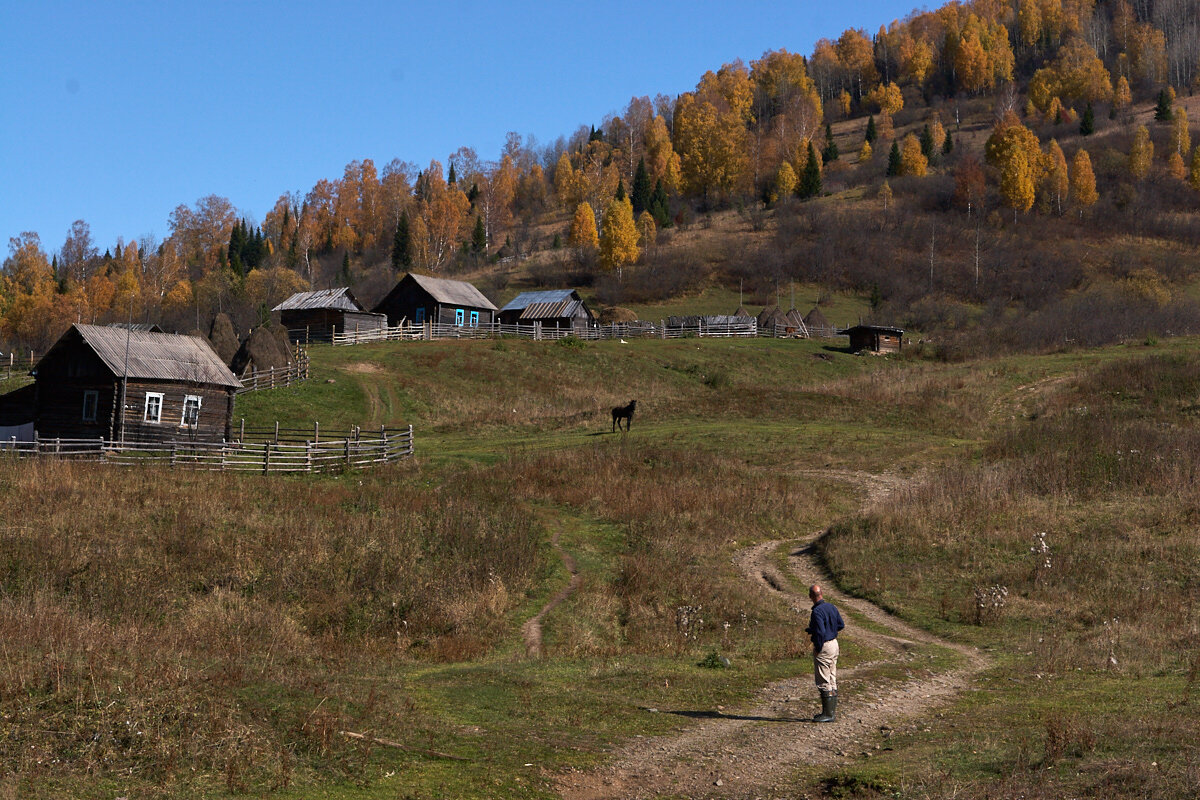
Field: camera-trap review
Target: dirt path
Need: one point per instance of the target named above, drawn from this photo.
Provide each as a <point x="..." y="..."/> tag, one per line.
<point x="753" y="751"/>
<point x="531" y="631"/>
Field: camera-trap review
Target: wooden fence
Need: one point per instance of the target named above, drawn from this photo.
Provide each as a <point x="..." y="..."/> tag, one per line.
<point x="277" y="377"/>
<point x="10" y="365"/>
<point x="366" y="449"/>
<point x="620" y="330"/>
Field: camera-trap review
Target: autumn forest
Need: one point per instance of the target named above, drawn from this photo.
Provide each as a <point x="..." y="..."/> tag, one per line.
<point x="1020" y="172"/>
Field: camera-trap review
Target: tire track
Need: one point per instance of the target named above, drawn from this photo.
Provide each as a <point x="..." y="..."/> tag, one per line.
<point x="531" y="631"/>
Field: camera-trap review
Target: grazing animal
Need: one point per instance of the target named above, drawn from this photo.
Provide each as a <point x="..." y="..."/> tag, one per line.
<point x="623" y="412"/>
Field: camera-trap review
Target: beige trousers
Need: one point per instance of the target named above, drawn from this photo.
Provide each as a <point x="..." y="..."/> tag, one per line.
<point x="825" y="666"/>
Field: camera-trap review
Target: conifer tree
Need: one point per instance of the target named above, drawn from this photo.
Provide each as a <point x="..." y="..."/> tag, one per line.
<point x="620" y="193"/>
<point x="810" y="178"/>
<point x="830" y="151"/>
<point x="345" y="276"/>
<point x="402" y="245"/>
<point x="926" y="142"/>
<point x="479" y="236"/>
<point x="872" y="134"/>
<point x="452" y="178"/>
<point x="893" y="167"/>
<point x="1162" y="111"/>
<point x="1087" y="125"/>
<point x="643" y="192"/>
<point x="947" y="145"/>
<point x="660" y="205"/>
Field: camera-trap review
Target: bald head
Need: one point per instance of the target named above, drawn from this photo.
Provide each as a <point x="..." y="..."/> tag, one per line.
<point x="814" y="593"/>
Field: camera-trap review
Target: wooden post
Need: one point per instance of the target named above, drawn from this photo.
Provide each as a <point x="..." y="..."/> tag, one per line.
<point x="347" y="451"/>
<point x="173" y="446"/>
<point x="410" y="440"/>
<point x="266" y="458"/>
<point x="242" y="432"/>
<point x="276" y="431"/>
<point x="308" y="448"/>
<point x="316" y="431"/>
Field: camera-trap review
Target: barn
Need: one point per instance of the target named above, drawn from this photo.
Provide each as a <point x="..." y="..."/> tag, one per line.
<point x="421" y="298"/>
<point x="170" y="387"/>
<point x="555" y="308"/>
<point x="316" y="316"/>
<point x="874" y="338"/>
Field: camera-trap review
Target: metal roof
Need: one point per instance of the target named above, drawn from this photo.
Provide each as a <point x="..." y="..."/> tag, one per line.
<point x="563" y="309"/>
<point x="453" y="293"/>
<point x="152" y="356"/>
<point x="339" y="299"/>
<point x="526" y="299"/>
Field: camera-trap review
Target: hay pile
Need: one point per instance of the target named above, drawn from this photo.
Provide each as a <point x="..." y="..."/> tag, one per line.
<point x="224" y="341"/>
<point x="260" y="351"/>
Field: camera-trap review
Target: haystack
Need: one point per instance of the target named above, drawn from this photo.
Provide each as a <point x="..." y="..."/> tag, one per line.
<point x="260" y="351"/>
<point x="815" y="319"/>
<point x="222" y="338"/>
<point x="610" y="314"/>
<point x="285" y="344"/>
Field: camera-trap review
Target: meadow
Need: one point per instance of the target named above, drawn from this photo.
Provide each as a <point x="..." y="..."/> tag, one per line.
<point x="207" y="635"/>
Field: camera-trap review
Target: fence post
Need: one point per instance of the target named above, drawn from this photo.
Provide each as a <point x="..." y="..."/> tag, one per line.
<point x="173" y="446"/>
<point x="347" y="451"/>
<point x="276" y="431"/>
<point x="316" y="431"/>
<point x="242" y="432"/>
<point x="308" y="448"/>
<point x="266" y="458"/>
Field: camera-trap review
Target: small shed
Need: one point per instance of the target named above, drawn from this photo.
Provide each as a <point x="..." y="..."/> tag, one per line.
<point x="874" y="338"/>
<point x="422" y="298"/>
<point x="318" y="315"/>
<point x="555" y="308"/>
<point x="110" y="383"/>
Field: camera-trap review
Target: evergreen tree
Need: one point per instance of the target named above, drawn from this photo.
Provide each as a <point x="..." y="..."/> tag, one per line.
<point x="237" y="243"/>
<point x="872" y="134"/>
<point x="810" y="179"/>
<point x="473" y="194"/>
<point x="894" y="161"/>
<point x="926" y="142"/>
<point x="643" y="191"/>
<point x="1087" y="124"/>
<point x="660" y="205"/>
<point x="948" y="145"/>
<point x="1162" y="111"/>
<point x="479" y="236"/>
<point x="830" y="152"/>
<point x="402" y="245"/>
<point x="451" y="178"/>
<point x="345" y="276"/>
<point x="595" y="135"/>
<point x="620" y="195"/>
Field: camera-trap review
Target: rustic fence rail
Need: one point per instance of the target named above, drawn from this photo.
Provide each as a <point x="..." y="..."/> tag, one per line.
<point x="277" y="377"/>
<point x="383" y="446"/>
<point x="621" y="330"/>
<point x="10" y="365"/>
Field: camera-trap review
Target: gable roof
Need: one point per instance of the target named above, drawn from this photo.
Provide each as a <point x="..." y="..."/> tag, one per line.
<point x="527" y="299"/>
<point x="151" y="356"/>
<point x="454" y="293"/>
<point x="339" y="299"/>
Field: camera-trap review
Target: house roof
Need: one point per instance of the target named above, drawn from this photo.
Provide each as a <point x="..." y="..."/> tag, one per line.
<point x="136" y="326"/>
<point x="874" y="329"/>
<point x="454" y="293"/>
<point x="561" y="309"/>
<point x="526" y="299"/>
<point x="151" y="356"/>
<point x="338" y="299"/>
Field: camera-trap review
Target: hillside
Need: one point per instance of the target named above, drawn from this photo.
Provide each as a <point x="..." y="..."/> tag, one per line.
<point x="269" y="615"/>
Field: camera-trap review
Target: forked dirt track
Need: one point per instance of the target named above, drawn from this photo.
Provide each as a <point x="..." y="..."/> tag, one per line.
<point x="753" y="751"/>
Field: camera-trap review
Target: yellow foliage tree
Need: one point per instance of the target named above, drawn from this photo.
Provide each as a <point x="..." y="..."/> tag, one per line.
<point x="662" y="161"/>
<point x="1181" y="138"/>
<point x="1009" y="135"/>
<point x="712" y="146"/>
<point x="785" y="181"/>
<point x="1017" y="182"/>
<point x="618" y="235"/>
<point x="1175" y="166"/>
<point x="912" y="160"/>
<point x="647" y="229"/>
<point x="885" y="195"/>
<point x="1077" y="72"/>
<point x="1056" y="183"/>
<point x="865" y="153"/>
<point x="844" y="103"/>
<point x="1194" y="171"/>
<point x="583" y="229"/>
<point x="1141" y="153"/>
<point x="1083" y="181"/>
<point x="886" y="97"/>
<point x="1122" y="97"/>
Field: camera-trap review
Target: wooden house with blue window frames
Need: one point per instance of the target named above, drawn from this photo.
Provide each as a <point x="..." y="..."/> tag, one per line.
<point x="419" y="299"/>
<point x="132" y="385"/>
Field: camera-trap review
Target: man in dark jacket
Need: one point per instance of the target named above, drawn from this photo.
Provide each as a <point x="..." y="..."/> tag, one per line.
<point x="823" y="626"/>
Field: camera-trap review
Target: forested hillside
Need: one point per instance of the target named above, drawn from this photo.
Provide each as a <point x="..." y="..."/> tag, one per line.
<point x="1016" y="172"/>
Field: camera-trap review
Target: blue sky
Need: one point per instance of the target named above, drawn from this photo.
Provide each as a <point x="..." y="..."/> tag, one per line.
<point x="116" y="113"/>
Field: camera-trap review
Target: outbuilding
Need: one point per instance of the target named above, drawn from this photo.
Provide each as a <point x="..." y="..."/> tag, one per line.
<point x="874" y="338"/>
<point x="316" y="316"/>
<point x="422" y="298"/>
<point x="554" y="308"/>
<point x="107" y="383"/>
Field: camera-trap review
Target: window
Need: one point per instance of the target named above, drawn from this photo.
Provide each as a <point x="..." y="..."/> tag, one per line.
<point x="91" y="399"/>
<point x="154" y="403"/>
<point x="474" y="319"/>
<point x="191" y="410"/>
<point x="458" y="316"/>
<point x="420" y="315"/>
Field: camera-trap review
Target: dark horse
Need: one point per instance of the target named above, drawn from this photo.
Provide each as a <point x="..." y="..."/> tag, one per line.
<point x="625" y="413"/>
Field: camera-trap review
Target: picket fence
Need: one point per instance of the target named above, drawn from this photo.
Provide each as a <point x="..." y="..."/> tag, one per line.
<point x="277" y="377"/>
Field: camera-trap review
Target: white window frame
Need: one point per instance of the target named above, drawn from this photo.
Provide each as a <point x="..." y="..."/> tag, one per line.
<point x="158" y="407"/>
<point x="184" y="422"/>
<point x="91" y="402"/>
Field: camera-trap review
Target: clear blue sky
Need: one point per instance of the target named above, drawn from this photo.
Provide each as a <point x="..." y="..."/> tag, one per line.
<point x="115" y="113"/>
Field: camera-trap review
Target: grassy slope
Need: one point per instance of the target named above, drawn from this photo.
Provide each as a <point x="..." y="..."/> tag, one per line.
<point x="728" y="436"/>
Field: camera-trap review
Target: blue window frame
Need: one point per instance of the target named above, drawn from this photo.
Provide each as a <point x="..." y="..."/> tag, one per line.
<point x="458" y="317"/>
<point x="474" y="319"/>
<point x="420" y="315"/>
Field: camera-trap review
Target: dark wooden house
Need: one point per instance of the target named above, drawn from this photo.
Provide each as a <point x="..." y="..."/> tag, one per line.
<point x="555" y="308"/>
<point x="420" y="299"/>
<point x="318" y="315"/>
<point x="169" y="387"/>
<point x="874" y="338"/>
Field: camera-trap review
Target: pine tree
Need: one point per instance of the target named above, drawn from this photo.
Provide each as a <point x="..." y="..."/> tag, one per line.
<point x="1163" y="111"/>
<point x="810" y="178"/>
<point x="872" y="134"/>
<point x="1087" y="125"/>
<point x="451" y="178"/>
<point x="402" y="245"/>
<point x="620" y="193"/>
<point x="948" y="145"/>
<point x="893" y="167"/>
<point x="643" y="191"/>
<point x="479" y="236"/>
<point x="660" y="205"/>
<point x="926" y="142"/>
<point x="830" y="151"/>
<point x="345" y="276"/>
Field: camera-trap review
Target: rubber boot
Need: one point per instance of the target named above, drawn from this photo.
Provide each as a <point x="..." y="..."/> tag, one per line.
<point x="828" y="708"/>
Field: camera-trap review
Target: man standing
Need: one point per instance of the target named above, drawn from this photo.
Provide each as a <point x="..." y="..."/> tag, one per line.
<point x="823" y="627"/>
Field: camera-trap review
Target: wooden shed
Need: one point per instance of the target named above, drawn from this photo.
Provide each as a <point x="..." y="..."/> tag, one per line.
<point x="874" y="338"/>
<point x="555" y="308"/>
<point x="169" y="387"/>
<point x="422" y="298"/>
<point x="318" y="315"/>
